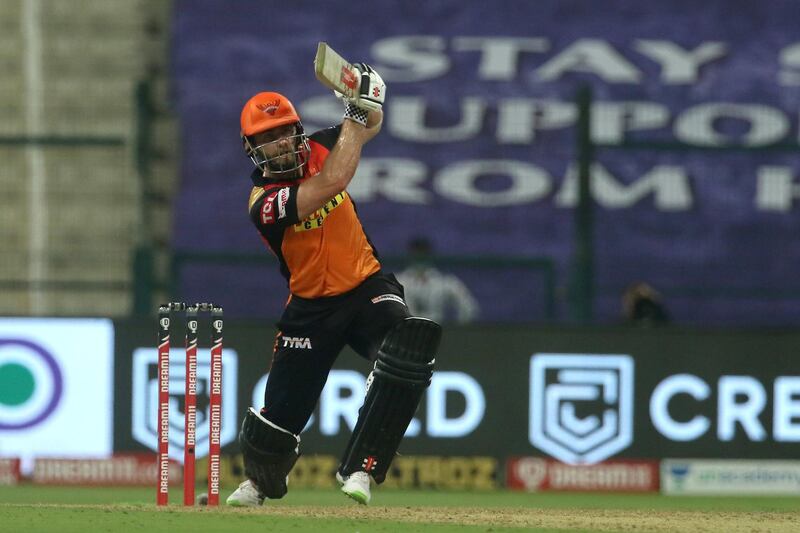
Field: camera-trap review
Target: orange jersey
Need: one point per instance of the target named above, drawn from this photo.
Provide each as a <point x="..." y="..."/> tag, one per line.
<point x="326" y="254"/>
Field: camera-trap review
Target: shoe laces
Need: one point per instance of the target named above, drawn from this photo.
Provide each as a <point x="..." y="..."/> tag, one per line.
<point x="362" y="476"/>
<point x="248" y="485"/>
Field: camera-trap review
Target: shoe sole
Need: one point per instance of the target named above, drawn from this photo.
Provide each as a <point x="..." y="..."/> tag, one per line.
<point x="358" y="496"/>
<point x="237" y="503"/>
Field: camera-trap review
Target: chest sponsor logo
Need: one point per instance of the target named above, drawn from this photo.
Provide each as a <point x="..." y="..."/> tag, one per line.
<point x="316" y="219"/>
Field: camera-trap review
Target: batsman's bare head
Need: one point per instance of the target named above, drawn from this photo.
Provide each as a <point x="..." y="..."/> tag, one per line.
<point x="273" y="136"/>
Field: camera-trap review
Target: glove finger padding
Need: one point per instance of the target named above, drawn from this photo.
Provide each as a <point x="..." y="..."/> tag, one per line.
<point x="372" y="89"/>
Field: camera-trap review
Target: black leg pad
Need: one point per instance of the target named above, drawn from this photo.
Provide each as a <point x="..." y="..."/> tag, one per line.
<point x="269" y="453"/>
<point x="402" y="372"/>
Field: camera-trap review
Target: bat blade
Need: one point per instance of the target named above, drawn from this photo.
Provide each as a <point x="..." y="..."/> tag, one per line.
<point x="335" y="72"/>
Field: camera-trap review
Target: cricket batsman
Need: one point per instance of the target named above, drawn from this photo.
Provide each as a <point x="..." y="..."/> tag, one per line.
<point x="339" y="295"/>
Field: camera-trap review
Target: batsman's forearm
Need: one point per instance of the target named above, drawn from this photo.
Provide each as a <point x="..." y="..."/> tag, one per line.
<point x="340" y="167"/>
<point x="338" y="170"/>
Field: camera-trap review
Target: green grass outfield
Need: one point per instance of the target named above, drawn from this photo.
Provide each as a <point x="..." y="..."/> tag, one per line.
<point x="29" y="508"/>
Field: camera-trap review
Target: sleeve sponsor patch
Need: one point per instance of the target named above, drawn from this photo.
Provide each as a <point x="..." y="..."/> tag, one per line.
<point x="268" y="209"/>
<point x="283" y="199"/>
<point x="388" y="298"/>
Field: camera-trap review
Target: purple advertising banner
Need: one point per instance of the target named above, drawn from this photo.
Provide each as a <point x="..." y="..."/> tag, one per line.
<point x="478" y="150"/>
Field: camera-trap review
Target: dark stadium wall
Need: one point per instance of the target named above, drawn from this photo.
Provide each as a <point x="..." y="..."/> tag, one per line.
<point x="579" y="395"/>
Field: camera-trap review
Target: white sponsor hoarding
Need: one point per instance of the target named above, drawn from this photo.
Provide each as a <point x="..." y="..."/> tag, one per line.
<point x="145" y="399"/>
<point x="581" y="405"/>
<point x="56" y="383"/>
<point x="730" y="476"/>
<point x="344" y="392"/>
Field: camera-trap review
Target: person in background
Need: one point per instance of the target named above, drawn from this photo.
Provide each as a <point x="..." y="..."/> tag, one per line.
<point x="642" y="306"/>
<point x="434" y="294"/>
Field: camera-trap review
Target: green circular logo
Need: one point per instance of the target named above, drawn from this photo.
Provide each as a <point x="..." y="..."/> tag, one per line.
<point x="16" y="384"/>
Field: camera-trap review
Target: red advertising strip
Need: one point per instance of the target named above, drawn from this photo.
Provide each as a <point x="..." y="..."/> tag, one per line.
<point x="9" y="471"/>
<point x="127" y="469"/>
<point x="540" y="474"/>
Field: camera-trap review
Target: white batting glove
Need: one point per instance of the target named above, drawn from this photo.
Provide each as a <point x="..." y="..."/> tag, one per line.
<point x="372" y="90"/>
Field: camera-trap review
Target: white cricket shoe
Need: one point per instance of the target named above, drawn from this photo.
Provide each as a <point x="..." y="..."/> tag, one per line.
<point x="356" y="486"/>
<point x="246" y="495"/>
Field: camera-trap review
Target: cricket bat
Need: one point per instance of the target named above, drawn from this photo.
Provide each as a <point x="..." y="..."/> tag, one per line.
<point x="335" y="72"/>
